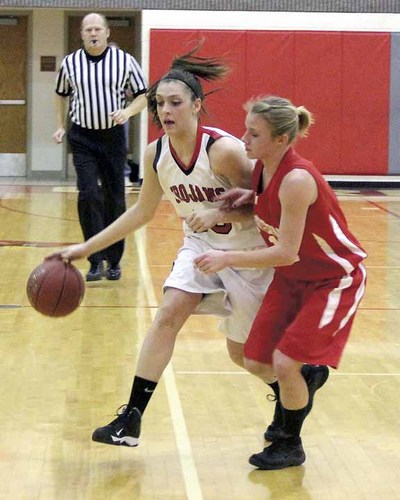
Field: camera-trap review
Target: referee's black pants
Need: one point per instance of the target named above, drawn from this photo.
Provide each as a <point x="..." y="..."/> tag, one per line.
<point x="99" y="159"/>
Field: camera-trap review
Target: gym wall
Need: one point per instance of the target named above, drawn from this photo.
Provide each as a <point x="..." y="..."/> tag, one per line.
<point x="343" y="77"/>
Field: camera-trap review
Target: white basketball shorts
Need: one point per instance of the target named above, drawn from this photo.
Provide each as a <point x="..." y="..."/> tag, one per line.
<point x="233" y="294"/>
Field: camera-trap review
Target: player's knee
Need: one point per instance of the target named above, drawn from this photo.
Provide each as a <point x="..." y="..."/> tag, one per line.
<point x="237" y="358"/>
<point x="285" y="367"/>
<point x="167" y="319"/>
<point x="260" y="370"/>
<point x="235" y="350"/>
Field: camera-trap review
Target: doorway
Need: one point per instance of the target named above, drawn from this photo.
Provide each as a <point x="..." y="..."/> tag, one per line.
<point x="13" y="71"/>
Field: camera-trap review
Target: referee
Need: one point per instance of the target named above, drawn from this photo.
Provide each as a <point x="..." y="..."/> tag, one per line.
<point x="95" y="79"/>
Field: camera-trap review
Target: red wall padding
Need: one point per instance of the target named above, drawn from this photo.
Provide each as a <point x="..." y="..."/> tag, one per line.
<point x="342" y="77"/>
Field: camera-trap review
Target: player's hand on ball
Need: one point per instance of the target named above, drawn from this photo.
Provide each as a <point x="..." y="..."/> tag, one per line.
<point x="211" y="262"/>
<point x="68" y="254"/>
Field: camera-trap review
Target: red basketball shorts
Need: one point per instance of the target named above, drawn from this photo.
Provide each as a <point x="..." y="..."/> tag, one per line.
<point x="308" y="321"/>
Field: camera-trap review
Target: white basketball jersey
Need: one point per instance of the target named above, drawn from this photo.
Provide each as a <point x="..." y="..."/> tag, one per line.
<point x="194" y="187"/>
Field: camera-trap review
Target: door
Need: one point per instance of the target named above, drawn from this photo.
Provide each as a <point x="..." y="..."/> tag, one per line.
<point x="13" y="61"/>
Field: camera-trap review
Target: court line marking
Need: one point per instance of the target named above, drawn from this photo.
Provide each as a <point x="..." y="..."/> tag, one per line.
<point x="383" y="209"/>
<point x="332" y="372"/>
<point x="189" y="471"/>
<point x="383" y="267"/>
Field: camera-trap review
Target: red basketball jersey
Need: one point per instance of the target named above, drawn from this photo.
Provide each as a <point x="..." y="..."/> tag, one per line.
<point x="328" y="248"/>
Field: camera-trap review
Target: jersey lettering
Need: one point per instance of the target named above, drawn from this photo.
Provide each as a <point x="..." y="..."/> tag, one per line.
<point x="193" y="193"/>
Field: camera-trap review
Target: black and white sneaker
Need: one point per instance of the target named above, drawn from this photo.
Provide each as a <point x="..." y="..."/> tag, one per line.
<point x="280" y="454"/>
<point x="315" y="377"/>
<point x="122" y="431"/>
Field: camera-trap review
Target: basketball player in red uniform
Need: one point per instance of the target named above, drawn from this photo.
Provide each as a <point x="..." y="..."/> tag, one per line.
<point x="319" y="279"/>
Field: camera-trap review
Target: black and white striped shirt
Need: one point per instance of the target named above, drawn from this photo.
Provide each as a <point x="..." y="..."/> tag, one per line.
<point x="97" y="84"/>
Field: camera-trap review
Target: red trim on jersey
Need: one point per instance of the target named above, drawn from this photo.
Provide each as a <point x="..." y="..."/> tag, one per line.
<point x="188" y="168"/>
<point x="212" y="133"/>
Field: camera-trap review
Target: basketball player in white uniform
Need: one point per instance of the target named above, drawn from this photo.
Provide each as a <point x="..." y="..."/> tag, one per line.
<point x="190" y="165"/>
<point x="187" y="189"/>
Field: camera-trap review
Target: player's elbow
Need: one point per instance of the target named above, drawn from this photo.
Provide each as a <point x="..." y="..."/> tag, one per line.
<point x="287" y="257"/>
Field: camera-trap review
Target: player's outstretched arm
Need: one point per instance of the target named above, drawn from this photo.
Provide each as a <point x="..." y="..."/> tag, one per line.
<point x="134" y="218"/>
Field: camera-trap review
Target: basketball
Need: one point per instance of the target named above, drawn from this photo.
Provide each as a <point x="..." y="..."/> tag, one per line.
<point x="55" y="288"/>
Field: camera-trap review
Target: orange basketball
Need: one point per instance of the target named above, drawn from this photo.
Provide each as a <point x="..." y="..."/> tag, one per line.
<point x="55" y="288"/>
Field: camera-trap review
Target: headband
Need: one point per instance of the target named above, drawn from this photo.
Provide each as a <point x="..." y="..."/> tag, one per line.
<point x="187" y="78"/>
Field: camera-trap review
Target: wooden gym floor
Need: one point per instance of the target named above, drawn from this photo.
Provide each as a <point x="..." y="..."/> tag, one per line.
<point x="61" y="378"/>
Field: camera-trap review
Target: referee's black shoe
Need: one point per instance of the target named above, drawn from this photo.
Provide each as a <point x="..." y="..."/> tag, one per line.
<point x="96" y="271"/>
<point x="113" y="272"/>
